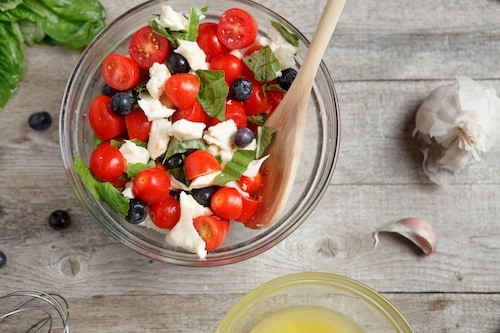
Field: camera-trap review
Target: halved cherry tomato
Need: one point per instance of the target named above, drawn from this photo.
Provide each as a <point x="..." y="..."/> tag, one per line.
<point x="209" y="42"/>
<point x="105" y="123"/>
<point x="227" y="203"/>
<point x="193" y="113"/>
<point x="107" y="162"/>
<point x="251" y="184"/>
<point x="237" y="28"/>
<point x="212" y="230"/>
<point x="182" y="89"/>
<point x="257" y="103"/>
<point x="200" y="163"/>
<point x="151" y="185"/>
<point x="274" y="97"/>
<point x="120" y="72"/>
<point x="250" y="207"/>
<point x="146" y="47"/>
<point x="230" y="64"/>
<point x="138" y="125"/>
<point x="166" y="213"/>
<point x="235" y="111"/>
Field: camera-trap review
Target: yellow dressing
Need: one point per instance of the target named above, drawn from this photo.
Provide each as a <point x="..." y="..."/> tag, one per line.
<point x="307" y="319"/>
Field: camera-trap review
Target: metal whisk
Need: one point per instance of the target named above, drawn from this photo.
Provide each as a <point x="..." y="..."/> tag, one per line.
<point x="33" y="311"/>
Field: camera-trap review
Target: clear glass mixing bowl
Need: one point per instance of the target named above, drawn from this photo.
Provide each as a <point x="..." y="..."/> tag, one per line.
<point x="318" y="159"/>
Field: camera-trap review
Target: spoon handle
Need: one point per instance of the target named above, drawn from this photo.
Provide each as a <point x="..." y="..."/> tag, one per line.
<point x="319" y="42"/>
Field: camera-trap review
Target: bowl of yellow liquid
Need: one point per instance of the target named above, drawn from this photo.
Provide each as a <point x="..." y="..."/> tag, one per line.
<point x="313" y="303"/>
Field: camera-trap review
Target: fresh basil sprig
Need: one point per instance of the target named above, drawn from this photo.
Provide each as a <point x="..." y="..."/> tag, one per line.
<point x="213" y="92"/>
<point x="287" y="35"/>
<point x="235" y="167"/>
<point x="263" y="64"/>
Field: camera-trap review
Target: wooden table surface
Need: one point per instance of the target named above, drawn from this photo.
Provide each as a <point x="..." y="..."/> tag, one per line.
<point x="385" y="58"/>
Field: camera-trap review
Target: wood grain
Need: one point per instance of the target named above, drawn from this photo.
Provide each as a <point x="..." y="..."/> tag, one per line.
<point x="385" y="58"/>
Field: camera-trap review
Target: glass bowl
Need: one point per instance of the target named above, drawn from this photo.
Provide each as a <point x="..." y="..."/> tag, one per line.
<point x="332" y="303"/>
<point x="318" y="159"/>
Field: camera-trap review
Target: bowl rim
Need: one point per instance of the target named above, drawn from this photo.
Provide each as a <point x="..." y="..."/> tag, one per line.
<point x="336" y="281"/>
<point x="265" y="241"/>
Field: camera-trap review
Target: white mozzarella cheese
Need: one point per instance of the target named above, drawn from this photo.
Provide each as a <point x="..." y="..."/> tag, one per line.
<point x="158" y="75"/>
<point x="153" y="108"/>
<point x="158" y="137"/>
<point x="254" y="167"/>
<point x="184" y="129"/>
<point x="134" y="153"/>
<point x="171" y="19"/>
<point x="194" y="55"/>
<point x="221" y="134"/>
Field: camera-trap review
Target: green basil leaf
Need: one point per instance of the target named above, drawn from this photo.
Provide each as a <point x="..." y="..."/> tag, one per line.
<point x="134" y="168"/>
<point x="114" y="198"/>
<point x="64" y="22"/>
<point x="213" y="92"/>
<point x="235" y="167"/>
<point x="258" y="119"/>
<point x="194" y="22"/>
<point x="9" y="4"/>
<point x="176" y="146"/>
<point x="89" y="181"/>
<point x="11" y="60"/>
<point x="265" y="136"/>
<point x="32" y="32"/>
<point x="264" y="64"/>
<point x="171" y="36"/>
<point x="287" y="35"/>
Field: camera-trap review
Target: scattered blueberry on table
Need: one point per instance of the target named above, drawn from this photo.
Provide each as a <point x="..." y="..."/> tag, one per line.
<point x="59" y="219"/>
<point x="3" y="259"/>
<point x="40" y="121"/>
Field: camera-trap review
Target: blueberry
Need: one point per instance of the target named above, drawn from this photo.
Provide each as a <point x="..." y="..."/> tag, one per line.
<point x="176" y="63"/>
<point x="204" y="195"/>
<point x="243" y="137"/>
<point x="59" y="219"/>
<point x="108" y="91"/>
<point x="137" y="212"/>
<point x="174" y="161"/>
<point x="175" y="194"/>
<point x="40" y="121"/>
<point x="3" y="259"/>
<point x="240" y="89"/>
<point x="286" y="78"/>
<point x="122" y="103"/>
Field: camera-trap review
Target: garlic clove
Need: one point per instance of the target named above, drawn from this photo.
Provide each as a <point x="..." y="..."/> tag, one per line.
<point x="416" y="230"/>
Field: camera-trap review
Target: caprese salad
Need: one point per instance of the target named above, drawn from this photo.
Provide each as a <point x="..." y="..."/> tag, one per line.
<point x="180" y="123"/>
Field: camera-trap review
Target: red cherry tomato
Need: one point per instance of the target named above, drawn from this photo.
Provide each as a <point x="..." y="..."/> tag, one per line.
<point x="107" y="162"/>
<point x="257" y="103"/>
<point x="138" y="125"/>
<point x="250" y="207"/>
<point x="182" y="89"/>
<point x="212" y="230"/>
<point x="151" y="185"/>
<point x="193" y="113"/>
<point x="200" y="163"/>
<point x="251" y="184"/>
<point x="227" y="203"/>
<point x="166" y="213"/>
<point x="209" y="42"/>
<point x="237" y="28"/>
<point x="274" y="97"/>
<point x="230" y="64"/>
<point x="120" y="72"/>
<point x="105" y="123"/>
<point x="146" y="47"/>
<point x="236" y="112"/>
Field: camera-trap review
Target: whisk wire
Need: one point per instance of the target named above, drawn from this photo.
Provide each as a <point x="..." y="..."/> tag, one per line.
<point x="28" y="304"/>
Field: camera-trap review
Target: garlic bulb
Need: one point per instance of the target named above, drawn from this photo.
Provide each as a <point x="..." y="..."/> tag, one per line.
<point x="457" y="123"/>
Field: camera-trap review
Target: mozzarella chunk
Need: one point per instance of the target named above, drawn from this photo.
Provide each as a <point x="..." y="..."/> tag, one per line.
<point x="203" y="181"/>
<point x="153" y="108"/>
<point x="254" y="167"/>
<point x="221" y="134"/>
<point x="177" y="185"/>
<point x="127" y="192"/>
<point x="284" y="51"/>
<point x="158" y="75"/>
<point x="171" y="19"/>
<point x="194" y="55"/>
<point x="184" y="234"/>
<point x="184" y="129"/>
<point x="158" y="137"/>
<point x="134" y="153"/>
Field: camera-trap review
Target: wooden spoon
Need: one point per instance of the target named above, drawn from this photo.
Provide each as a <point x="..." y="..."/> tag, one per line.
<point x="289" y="121"/>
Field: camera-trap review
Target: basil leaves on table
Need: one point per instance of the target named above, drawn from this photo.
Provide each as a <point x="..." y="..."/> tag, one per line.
<point x="72" y="24"/>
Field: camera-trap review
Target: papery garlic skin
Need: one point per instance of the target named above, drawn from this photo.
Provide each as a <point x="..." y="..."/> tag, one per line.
<point x="456" y="124"/>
